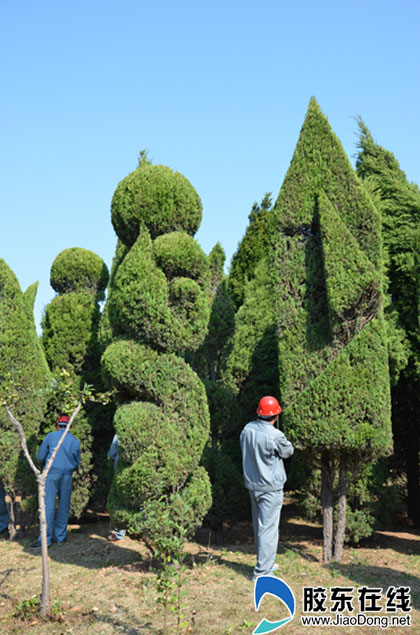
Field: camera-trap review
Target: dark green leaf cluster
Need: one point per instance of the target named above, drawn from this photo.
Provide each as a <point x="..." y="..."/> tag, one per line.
<point x="155" y="197"/>
<point x="162" y="521"/>
<point x="251" y="368"/>
<point x="216" y="260"/>
<point x="69" y="325"/>
<point x="252" y="248"/>
<point x="230" y="498"/>
<point x="399" y="204"/>
<point x="168" y="312"/>
<point x="76" y="270"/>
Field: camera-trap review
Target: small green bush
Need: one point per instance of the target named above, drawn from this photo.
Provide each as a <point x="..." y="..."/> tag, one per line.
<point x="78" y="269"/>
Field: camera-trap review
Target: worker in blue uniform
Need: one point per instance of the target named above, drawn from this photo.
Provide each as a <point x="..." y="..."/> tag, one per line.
<point x="59" y="480"/>
<point x="4" y="516"/>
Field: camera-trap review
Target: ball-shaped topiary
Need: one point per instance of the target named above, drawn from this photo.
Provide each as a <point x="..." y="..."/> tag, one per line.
<point x="158" y="198"/>
<point x="78" y="269"/>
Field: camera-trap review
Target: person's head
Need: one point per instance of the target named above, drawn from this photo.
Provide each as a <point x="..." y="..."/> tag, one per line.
<point x="268" y="409"/>
<point x="62" y="422"/>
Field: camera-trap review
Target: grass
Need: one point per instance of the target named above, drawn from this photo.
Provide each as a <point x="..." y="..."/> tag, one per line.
<point x="102" y="587"/>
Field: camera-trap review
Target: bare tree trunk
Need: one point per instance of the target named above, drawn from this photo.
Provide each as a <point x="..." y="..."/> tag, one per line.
<point x="341" y="510"/>
<point x="45" y="591"/>
<point x="327" y="507"/>
<point x="41" y="480"/>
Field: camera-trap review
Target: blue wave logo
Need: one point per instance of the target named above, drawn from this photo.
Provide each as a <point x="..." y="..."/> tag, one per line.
<point x="279" y="589"/>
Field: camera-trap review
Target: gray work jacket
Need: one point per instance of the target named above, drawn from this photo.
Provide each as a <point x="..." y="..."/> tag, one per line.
<point x="263" y="450"/>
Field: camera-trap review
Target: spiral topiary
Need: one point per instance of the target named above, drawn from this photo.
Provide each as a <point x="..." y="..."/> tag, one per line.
<point x="158" y="308"/>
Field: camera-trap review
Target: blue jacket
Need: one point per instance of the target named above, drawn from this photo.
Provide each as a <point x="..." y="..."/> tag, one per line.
<point x="68" y="456"/>
<point x="113" y="451"/>
<point x="263" y="450"/>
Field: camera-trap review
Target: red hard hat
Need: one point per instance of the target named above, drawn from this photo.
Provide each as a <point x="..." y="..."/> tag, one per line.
<point x="63" y="419"/>
<point x="268" y="406"/>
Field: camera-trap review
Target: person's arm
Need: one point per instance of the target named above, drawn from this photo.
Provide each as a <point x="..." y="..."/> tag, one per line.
<point x="283" y="445"/>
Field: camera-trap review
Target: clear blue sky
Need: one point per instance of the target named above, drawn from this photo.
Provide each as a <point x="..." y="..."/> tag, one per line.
<point x="216" y="90"/>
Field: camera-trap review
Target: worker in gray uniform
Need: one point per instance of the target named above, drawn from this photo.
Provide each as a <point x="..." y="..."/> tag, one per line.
<point x="263" y="449"/>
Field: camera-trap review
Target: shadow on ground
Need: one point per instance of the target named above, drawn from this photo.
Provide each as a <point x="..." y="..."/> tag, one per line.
<point x="383" y="577"/>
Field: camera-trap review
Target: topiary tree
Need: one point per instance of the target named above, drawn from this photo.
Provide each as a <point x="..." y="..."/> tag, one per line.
<point x="157" y="310"/>
<point x="23" y="367"/>
<point x="327" y="274"/>
<point x="399" y="203"/>
<point x="70" y="341"/>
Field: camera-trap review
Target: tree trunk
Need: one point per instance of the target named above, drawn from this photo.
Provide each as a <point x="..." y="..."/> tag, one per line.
<point x="11" y="510"/>
<point x="45" y="592"/>
<point x="327" y="507"/>
<point x="341" y="510"/>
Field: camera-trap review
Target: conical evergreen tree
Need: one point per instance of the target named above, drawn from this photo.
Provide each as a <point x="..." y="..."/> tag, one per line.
<point x="24" y="371"/>
<point x="327" y="274"/>
<point x="252" y="248"/>
<point x="399" y="202"/>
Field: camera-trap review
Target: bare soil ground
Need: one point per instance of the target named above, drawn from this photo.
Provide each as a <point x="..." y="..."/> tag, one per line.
<point x="102" y="587"/>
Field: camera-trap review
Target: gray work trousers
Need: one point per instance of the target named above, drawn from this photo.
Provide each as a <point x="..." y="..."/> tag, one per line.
<point x="266" y="508"/>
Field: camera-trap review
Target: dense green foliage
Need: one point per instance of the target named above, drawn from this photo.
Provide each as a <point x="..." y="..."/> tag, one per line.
<point x="78" y="269"/>
<point x="70" y="341"/>
<point x="399" y="203"/>
<point x="24" y="379"/>
<point x="221" y="456"/>
<point x="158" y="309"/>
<point x="252" y="248"/>
<point x="251" y="368"/>
<point x="168" y="312"/>
<point x="158" y="198"/>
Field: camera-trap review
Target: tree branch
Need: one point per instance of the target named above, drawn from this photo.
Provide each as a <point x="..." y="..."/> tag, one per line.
<point x="21" y="433"/>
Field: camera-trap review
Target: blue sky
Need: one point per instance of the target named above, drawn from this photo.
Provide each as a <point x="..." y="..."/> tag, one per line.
<point x="216" y="90"/>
